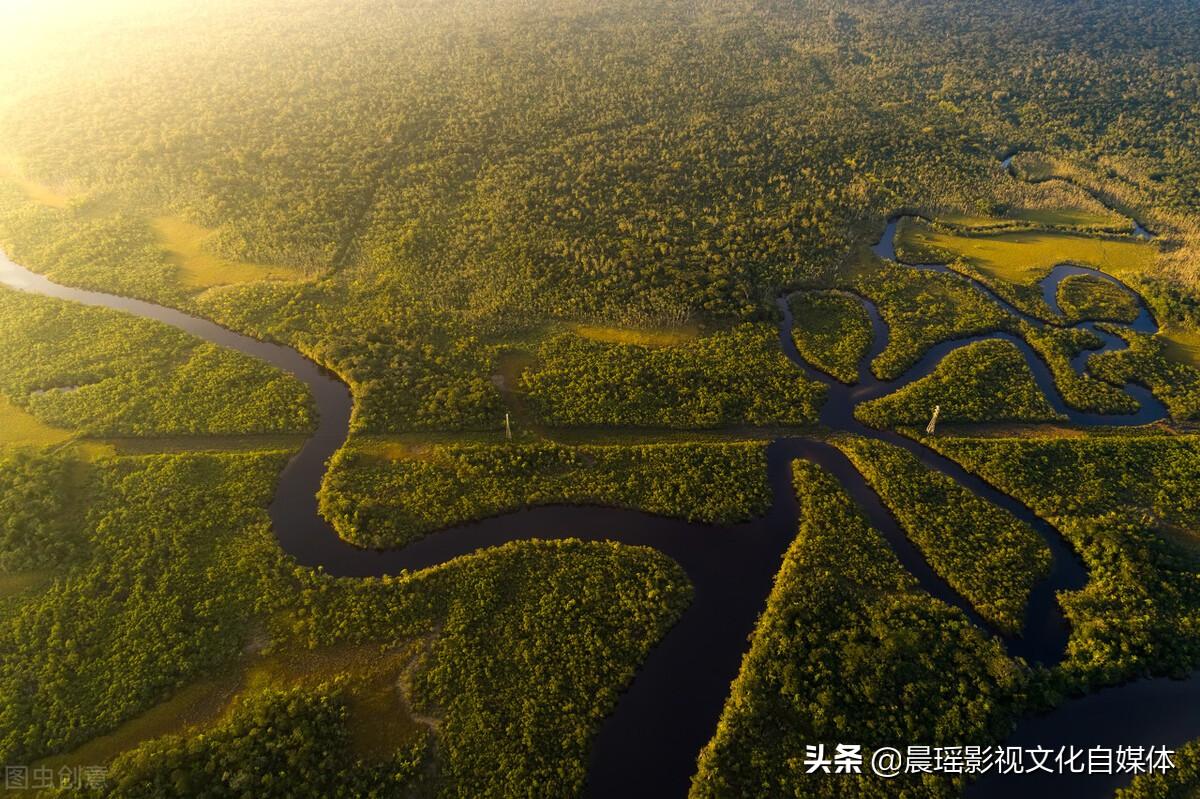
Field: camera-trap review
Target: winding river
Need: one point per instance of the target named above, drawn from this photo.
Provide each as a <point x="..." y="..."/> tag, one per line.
<point x="648" y="745"/>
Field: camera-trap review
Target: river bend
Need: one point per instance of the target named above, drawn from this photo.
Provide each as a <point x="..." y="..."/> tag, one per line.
<point x="648" y="745"/>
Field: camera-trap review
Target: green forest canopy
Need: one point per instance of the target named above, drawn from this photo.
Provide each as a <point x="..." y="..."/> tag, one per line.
<point x="437" y="173"/>
<point x="408" y="191"/>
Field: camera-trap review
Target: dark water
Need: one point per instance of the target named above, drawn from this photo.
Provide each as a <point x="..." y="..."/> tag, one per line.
<point x="1150" y="408"/>
<point x="1149" y="712"/>
<point x="1158" y="712"/>
<point x="648" y="745"/>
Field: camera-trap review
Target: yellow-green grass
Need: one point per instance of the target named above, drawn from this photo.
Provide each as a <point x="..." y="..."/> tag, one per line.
<point x="89" y="450"/>
<point x="1072" y="217"/>
<point x="1025" y="256"/>
<point x="960" y="219"/>
<point x="1035" y="167"/>
<point x="36" y="192"/>
<point x="183" y="242"/>
<point x="19" y="428"/>
<point x="379" y="721"/>
<point x="659" y="337"/>
<point x="147" y="445"/>
<point x="510" y="365"/>
<point x="1065" y="216"/>
<point x="1182" y="344"/>
<point x="11" y="584"/>
<point x="196" y="706"/>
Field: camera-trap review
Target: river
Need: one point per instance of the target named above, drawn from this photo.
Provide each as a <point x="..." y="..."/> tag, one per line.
<point x="647" y="746"/>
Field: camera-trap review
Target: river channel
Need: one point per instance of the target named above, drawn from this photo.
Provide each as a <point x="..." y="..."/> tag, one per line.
<point x="647" y="746"/>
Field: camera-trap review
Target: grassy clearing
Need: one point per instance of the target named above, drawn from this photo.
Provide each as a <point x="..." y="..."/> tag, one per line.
<point x="1063" y="206"/>
<point x="1035" y="167"/>
<point x="194" y="707"/>
<point x="1068" y="217"/>
<point x="11" y="584"/>
<point x="21" y="429"/>
<point x="184" y="244"/>
<point x="1023" y="256"/>
<point x="36" y="192"/>
<point x="961" y="219"/>
<point x="510" y="365"/>
<point x="1182" y="344"/>
<point x="659" y="337"/>
<point x="1053" y="217"/>
<point x="378" y="719"/>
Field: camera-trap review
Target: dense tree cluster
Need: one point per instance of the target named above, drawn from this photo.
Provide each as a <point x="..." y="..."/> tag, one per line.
<point x="1094" y="477"/>
<point x="921" y="309"/>
<point x="988" y="381"/>
<point x="982" y="551"/>
<point x="533" y="638"/>
<point x="584" y="617"/>
<point x="1125" y="503"/>
<point x="1087" y="297"/>
<point x="454" y="194"/>
<point x="411" y="366"/>
<point x="107" y="373"/>
<point x="168" y="592"/>
<point x="116" y="253"/>
<point x="376" y="502"/>
<point x="1146" y="362"/>
<point x="38" y="496"/>
<point x="850" y="649"/>
<point x="731" y="377"/>
<point x="276" y="744"/>
<point x="447" y="182"/>
<point x="1171" y="304"/>
<point x="832" y="331"/>
<point x="1057" y="346"/>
